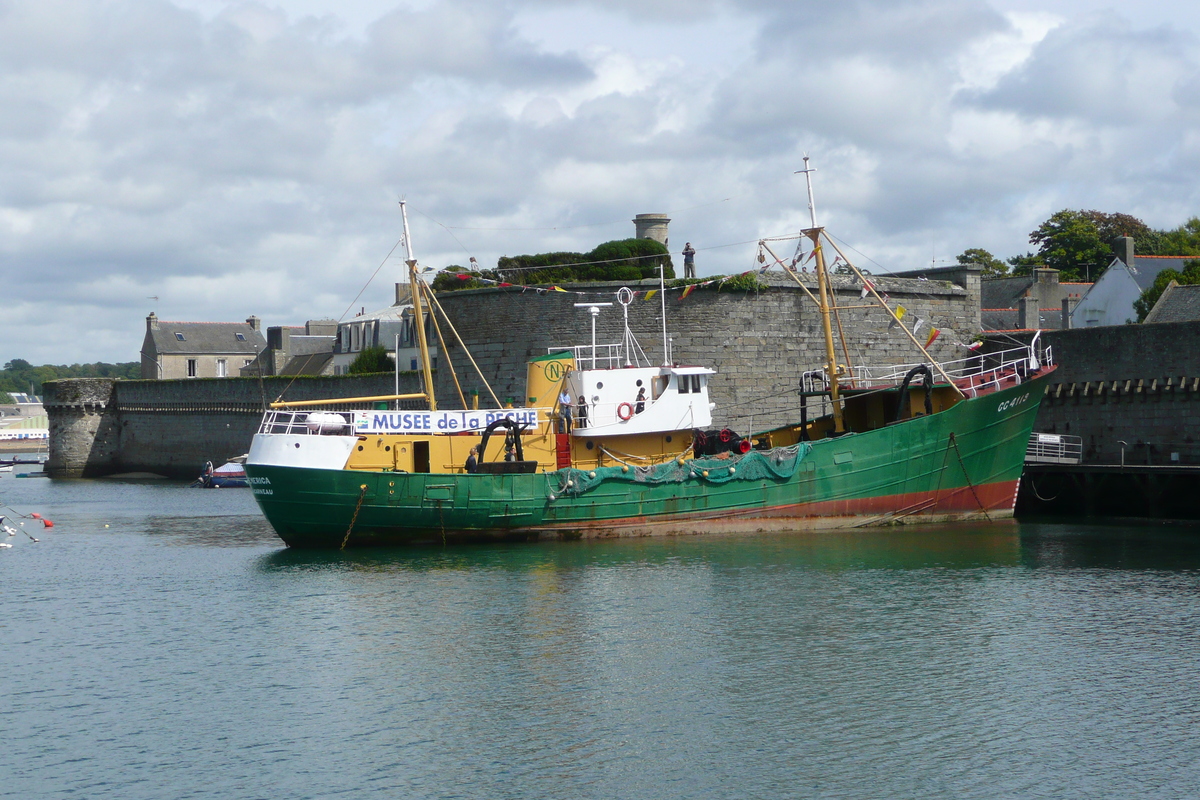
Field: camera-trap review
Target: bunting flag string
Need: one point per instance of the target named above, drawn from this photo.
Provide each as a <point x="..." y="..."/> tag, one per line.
<point x="933" y="335"/>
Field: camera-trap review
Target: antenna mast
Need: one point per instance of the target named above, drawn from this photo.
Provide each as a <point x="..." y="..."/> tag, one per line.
<point x="418" y="313"/>
<point x="831" y="367"/>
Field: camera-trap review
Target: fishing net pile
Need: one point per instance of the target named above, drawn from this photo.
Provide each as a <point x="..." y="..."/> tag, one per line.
<point x="776" y="464"/>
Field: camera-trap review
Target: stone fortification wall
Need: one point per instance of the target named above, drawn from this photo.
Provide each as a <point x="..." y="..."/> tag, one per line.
<point x="1134" y="383"/>
<point x="759" y="342"/>
<point x="105" y="427"/>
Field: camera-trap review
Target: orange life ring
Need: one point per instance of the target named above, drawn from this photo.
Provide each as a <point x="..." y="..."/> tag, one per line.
<point x="625" y="412"/>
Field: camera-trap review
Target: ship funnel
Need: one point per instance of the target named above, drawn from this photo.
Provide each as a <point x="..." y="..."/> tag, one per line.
<point x="543" y="382"/>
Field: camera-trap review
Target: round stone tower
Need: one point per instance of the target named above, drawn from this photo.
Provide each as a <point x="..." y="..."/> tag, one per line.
<point x="651" y="226"/>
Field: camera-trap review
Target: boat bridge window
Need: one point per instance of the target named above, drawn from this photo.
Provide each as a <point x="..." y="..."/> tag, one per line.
<point x="688" y="383"/>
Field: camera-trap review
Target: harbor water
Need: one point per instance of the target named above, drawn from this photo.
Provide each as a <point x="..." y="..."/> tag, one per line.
<point x="160" y="642"/>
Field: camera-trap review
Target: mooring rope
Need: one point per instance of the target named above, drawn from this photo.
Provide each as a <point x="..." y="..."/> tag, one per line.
<point x="967" y="475"/>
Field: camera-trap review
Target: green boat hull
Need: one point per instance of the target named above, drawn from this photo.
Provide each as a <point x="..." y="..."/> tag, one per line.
<point x="961" y="463"/>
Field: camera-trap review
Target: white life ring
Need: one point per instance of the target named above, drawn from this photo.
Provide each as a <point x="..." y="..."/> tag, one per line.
<point x="625" y="412"/>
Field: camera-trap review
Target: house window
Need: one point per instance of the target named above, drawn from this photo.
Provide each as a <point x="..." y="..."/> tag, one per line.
<point x="241" y="337"/>
<point x="220" y="368"/>
<point x="414" y="365"/>
<point x="247" y="362"/>
<point x="179" y="336"/>
<point x="191" y="367"/>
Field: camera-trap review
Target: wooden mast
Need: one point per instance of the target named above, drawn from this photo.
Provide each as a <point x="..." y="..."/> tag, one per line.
<point x="418" y="313"/>
<point x="831" y="367"/>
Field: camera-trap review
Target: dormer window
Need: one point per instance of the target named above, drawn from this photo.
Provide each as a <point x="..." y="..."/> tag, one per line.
<point x="179" y="336"/>
<point x="241" y="337"/>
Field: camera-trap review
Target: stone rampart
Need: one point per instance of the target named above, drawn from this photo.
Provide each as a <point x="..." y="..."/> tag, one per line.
<point x="1138" y="384"/>
<point x="759" y="342"/>
<point x="105" y="427"/>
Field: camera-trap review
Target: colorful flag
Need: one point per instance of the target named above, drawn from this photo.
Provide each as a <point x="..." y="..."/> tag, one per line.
<point x="866" y="289"/>
<point x="558" y="289"/>
<point x="651" y="293"/>
<point x="687" y="290"/>
<point x="899" y="315"/>
<point x="932" y="336"/>
<point x="974" y="346"/>
<point x="917" y="327"/>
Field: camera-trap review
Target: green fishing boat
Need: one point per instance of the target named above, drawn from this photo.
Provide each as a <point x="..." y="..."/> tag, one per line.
<point x="627" y="448"/>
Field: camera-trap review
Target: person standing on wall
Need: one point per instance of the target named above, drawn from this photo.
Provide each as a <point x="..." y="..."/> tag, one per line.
<point x="689" y="260"/>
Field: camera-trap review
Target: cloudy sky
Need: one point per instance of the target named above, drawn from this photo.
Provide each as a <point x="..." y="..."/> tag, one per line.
<point x="209" y="160"/>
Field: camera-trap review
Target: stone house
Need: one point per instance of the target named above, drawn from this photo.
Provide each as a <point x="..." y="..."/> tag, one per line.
<point x="199" y="349"/>
<point x="296" y="350"/>
<point x="1178" y="303"/>
<point x="387" y="328"/>
<point x="1110" y="300"/>
<point x="1029" y="302"/>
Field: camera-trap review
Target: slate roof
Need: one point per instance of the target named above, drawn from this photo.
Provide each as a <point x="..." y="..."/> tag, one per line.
<point x="1177" y="304"/>
<point x="1004" y="292"/>
<point x="311" y="364"/>
<point x="1146" y="268"/>
<point x="205" y="338"/>
<point x="1009" y="319"/>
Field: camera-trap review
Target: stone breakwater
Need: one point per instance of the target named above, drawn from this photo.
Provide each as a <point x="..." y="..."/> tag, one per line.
<point x="100" y="426"/>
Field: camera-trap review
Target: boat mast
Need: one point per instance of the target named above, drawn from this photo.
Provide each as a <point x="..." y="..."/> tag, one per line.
<point x="418" y="313"/>
<point x="823" y="291"/>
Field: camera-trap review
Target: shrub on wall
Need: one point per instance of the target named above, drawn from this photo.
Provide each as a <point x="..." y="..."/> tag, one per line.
<point x="620" y="260"/>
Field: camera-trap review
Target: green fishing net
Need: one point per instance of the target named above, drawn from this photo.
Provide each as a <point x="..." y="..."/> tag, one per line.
<point x="778" y="463"/>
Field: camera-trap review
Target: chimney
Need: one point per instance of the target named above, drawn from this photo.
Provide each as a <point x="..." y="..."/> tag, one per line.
<point x="1047" y="276"/>
<point x="1068" y="307"/>
<point x="403" y="294"/>
<point x="254" y="322"/>
<point x="651" y="226"/>
<point x="152" y="322"/>
<point x="1027" y="314"/>
<point x="1123" y="249"/>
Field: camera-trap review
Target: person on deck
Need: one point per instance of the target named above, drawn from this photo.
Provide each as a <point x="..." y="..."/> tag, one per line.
<point x="472" y="461"/>
<point x="564" y="406"/>
<point x="581" y="415"/>
<point x="640" y="404"/>
<point x="689" y="260"/>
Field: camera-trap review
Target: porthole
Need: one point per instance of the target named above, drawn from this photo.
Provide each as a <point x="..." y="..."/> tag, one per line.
<point x="359" y="448"/>
<point x="387" y="448"/>
<point x="590" y="445"/>
<point x="668" y="440"/>
<point x="298" y="446"/>
<point x="599" y="384"/>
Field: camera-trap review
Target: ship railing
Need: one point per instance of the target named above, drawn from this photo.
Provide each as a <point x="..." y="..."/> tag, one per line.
<point x="984" y="367"/>
<point x="1054" y="448"/>
<point x="587" y="356"/>
<point x="297" y="422"/>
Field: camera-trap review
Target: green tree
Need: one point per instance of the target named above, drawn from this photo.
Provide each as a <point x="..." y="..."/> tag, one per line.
<point x="992" y="266"/>
<point x="620" y="260"/>
<point x="1189" y="276"/>
<point x="1026" y="264"/>
<point x="18" y="374"/>
<point x="1068" y="241"/>
<point x="371" y="359"/>
<point x="1183" y="241"/>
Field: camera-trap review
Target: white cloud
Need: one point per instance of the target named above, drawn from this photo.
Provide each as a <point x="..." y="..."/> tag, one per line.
<point x="239" y="158"/>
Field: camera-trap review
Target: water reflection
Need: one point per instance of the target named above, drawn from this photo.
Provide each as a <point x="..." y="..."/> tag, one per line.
<point x="926" y="547"/>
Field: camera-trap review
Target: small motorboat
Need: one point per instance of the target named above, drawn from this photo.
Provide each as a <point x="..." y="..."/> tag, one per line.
<point x="231" y="475"/>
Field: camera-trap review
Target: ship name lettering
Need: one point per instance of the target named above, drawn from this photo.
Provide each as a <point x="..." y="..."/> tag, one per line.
<point x="1008" y="405"/>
